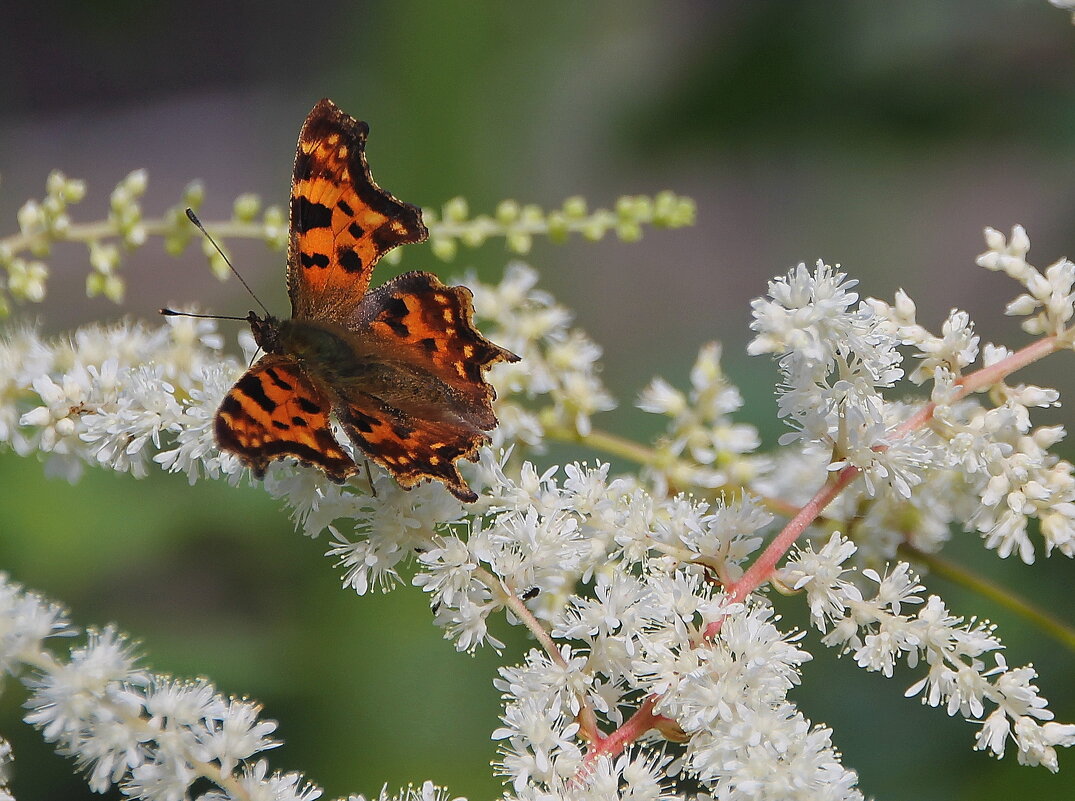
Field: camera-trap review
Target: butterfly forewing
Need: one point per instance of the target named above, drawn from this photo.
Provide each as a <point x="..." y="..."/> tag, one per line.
<point x="342" y="222"/>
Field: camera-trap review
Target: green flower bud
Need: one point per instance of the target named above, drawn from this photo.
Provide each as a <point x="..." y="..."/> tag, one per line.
<point x="558" y="230"/>
<point x="507" y="212"/>
<point x="456" y="210"/>
<point x="246" y="207"/>
<point x="444" y="248"/>
<point x="575" y="207"/>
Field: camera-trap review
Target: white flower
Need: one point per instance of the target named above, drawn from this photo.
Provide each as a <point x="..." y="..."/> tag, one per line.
<point x="821" y="573"/>
<point x="61" y="697"/>
<point x="660" y="397"/>
<point x="701" y="428"/>
<point x="955" y="349"/>
<point x="540" y="744"/>
<point x="26" y="620"/>
<point x="236" y="734"/>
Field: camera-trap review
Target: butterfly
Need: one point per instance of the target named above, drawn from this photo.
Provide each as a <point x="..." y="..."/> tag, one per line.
<point x="401" y="366"/>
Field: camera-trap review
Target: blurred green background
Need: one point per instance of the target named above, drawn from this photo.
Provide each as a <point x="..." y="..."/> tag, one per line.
<point x="882" y="136"/>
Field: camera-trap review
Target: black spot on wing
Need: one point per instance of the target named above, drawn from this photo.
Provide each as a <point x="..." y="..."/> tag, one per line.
<point x="429" y="344"/>
<point x="307" y="215"/>
<point x="387" y="237"/>
<point x="276" y="379"/>
<point x="313" y="260"/>
<point x="354" y="229"/>
<point x="343" y="206"/>
<point x="395" y="309"/>
<point x="308" y="406"/>
<point x="361" y="422"/>
<point x="250" y="386"/>
<point x="303" y="166"/>
<point x="349" y="259"/>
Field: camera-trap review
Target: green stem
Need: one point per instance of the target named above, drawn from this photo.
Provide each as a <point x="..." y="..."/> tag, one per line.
<point x="612" y="444"/>
<point x="960" y="575"/>
<point x="96" y="231"/>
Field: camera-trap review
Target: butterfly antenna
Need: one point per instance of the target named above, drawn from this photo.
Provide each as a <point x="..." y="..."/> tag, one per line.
<point x="174" y="313"/>
<point x="194" y="219"/>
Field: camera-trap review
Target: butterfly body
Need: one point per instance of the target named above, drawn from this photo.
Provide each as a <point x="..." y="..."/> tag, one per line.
<point x="401" y="366"/>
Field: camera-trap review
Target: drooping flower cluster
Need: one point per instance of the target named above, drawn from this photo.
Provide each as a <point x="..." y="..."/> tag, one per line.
<point x="985" y="466"/>
<point x="878" y="631"/>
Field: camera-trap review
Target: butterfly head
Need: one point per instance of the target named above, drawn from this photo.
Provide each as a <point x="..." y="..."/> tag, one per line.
<point x="266" y="331"/>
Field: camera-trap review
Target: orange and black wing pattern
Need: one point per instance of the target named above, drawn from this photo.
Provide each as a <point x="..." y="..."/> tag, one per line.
<point x="425" y="402"/>
<point x="402" y="367"/>
<point x="275" y="411"/>
<point x="411" y="449"/>
<point x="342" y="222"/>
<point x="417" y="319"/>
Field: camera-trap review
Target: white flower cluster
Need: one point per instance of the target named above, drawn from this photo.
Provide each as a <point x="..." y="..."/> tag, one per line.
<point x="701" y="427"/>
<point x="731" y="700"/>
<point x="984" y="466"/>
<point x="835" y="358"/>
<point x="108" y="396"/>
<point x="727" y="698"/>
<point x="149" y="735"/>
<point x="625" y="585"/>
<point x="556" y="362"/>
<point x="878" y="632"/>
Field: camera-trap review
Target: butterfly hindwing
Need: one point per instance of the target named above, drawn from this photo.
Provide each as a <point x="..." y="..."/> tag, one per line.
<point x="411" y="450"/>
<point x="275" y="411"/>
<point x="342" y="222"/>
<point x="416" y="318"/>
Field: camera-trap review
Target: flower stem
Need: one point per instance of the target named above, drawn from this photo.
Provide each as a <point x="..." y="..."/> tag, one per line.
<point x="634" y="727"/>
<point x="587" y="719"/>
<point x="763" y="567"/>
<point x="612" y="444"/>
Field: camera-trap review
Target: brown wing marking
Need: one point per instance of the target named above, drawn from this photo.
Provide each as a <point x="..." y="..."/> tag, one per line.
<point x="342" y="222"/>
<point x="416" y="318"/>
<point x="412" y="450"/>
<point x="274" y="411"/>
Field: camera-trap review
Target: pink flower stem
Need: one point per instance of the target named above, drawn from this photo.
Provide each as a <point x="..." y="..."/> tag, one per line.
<point x="634" y="727"/>
<point x="763" y="567"/>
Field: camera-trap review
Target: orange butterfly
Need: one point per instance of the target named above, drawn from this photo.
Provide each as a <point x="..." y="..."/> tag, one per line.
<point x="401" y="366"/>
